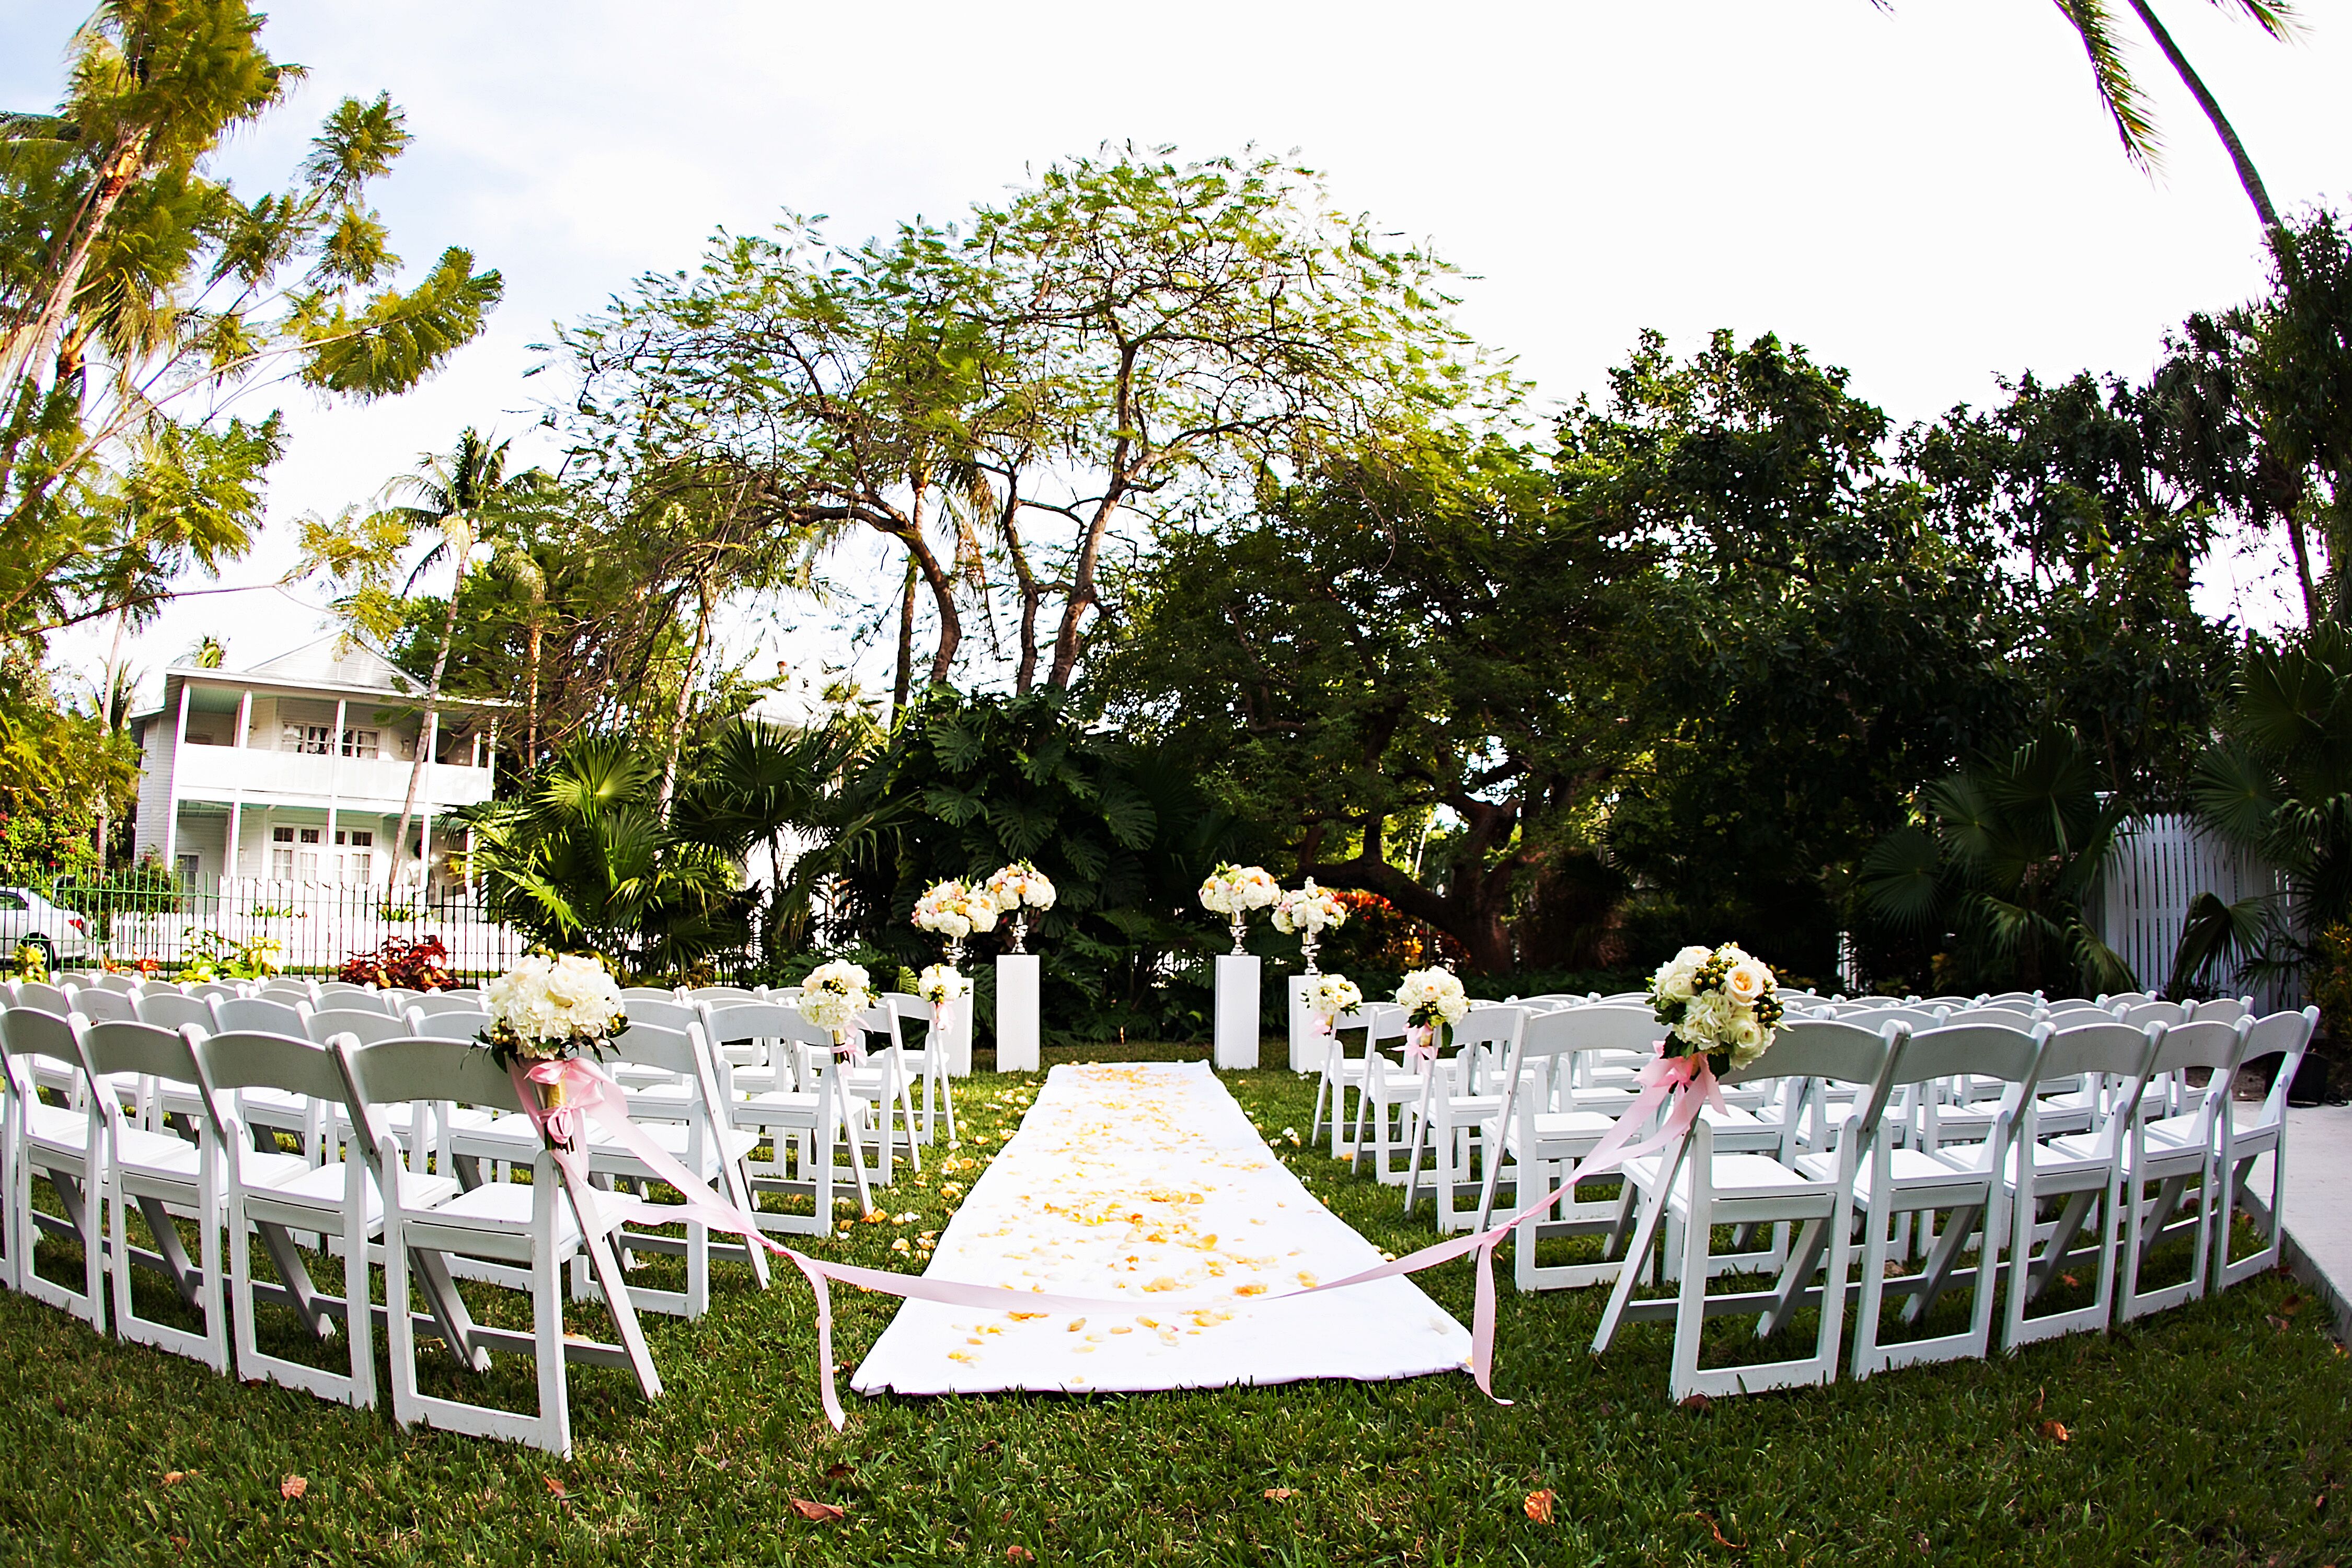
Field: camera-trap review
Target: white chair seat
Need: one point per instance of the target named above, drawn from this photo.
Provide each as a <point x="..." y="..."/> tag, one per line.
<point x="504" y="1205"/>
<point x="55" y="1125"/>
<point x="1736" y="1176"/>
<point x="321" y="1188"/>
<point x="1561" y="1126"/>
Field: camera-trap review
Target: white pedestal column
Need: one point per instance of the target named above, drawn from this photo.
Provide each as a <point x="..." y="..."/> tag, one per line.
<point x="1236" y="1036"/>
<point x="1016" y="1012"/>
<point x="1306" y="1045"/>
<point x="957" y="1029"/>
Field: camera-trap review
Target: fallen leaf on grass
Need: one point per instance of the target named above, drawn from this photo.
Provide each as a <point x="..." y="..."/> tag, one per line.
<point x="818" y="1512"/>
<point x="838" y="1471"/>
<point x="1019" y="1554"/>
<point x="1279" y="1494"/>
<point x="1720" y="1539"/>
<point x="553" y="1485"/>
<point x="2291" y="1306"/>
<point x="2056" y="1432"/>
<point x="292" y="1487"/>
<point x="2274" y="1320"/>
<point x="2070" y="1282"/>
<point x="1538" y="1505"/>
<point x="1698" y="1404"/>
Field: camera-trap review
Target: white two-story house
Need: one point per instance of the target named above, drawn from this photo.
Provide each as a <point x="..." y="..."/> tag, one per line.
<point x="294" y="771"/>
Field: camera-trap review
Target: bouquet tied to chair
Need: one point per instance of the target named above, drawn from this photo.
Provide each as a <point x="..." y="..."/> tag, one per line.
<point x="1720" y="1006"/>
<point x="834" y="995"/>
<point x="546" y="1012"/>
<point x="1434" y="1002"/>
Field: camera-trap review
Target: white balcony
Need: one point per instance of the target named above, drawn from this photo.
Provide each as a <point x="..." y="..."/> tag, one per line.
<point x="296" y="778"/>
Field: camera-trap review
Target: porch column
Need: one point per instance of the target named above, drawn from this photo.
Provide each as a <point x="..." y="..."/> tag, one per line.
<point x="171" y="790"/>
<point x="327" y="850"/>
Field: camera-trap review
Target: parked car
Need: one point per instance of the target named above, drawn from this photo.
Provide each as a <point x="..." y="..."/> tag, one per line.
<point x="28" y="919"/>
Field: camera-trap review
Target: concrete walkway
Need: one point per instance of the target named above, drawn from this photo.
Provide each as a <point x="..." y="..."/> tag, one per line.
<point x="2319" y="1203"/>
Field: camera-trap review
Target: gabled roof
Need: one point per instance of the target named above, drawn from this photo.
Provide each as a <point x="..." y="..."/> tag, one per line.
<point x="337" y="659"/>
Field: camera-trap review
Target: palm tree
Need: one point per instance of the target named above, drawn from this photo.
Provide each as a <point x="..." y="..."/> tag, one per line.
<point x="758" y="784"/>
<point x="2011" y="858"/>
<point x="451" y="494"/>
<point x="583" y="859"/>
<point x="2095" y="22"/>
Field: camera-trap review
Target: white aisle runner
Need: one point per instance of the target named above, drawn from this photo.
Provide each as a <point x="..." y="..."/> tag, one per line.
<point x="1142" y="1184"/>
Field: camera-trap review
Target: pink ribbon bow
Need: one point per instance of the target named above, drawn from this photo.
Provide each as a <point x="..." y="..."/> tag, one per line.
<point x="1420" y="1044"/>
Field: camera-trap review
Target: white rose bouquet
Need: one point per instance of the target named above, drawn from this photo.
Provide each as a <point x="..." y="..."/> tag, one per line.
<point x="1434" y="1002"/>
<point x="941" y="984"/>
<point x="834" y="995"/>
<point x="1330" y="995"/>
<point x="1018" y="889"/>
<point x="547" y="1008"/>
<point x="1723" y="1004"/>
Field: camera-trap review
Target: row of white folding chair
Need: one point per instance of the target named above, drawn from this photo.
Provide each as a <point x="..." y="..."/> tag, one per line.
<point x="803" y="1102"/>
<point x="1343" y="1075"/>
<point x="99" y="1166"/>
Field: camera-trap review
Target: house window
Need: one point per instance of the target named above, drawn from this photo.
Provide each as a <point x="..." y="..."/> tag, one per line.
<point x="360" y="743"/>
<point x="312" y="740"/>
<point x="188" y="867"/>
<point x="361" y="839"/>
<point x="311" y="834"/>
<point x="281" y="854"/>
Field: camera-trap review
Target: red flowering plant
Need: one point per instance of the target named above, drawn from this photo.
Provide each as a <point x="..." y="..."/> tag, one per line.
<point x="419" y="966"/>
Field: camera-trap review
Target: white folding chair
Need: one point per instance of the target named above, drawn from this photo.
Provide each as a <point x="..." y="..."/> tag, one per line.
<point x="170" y="1179"/>
<point x="64" y="1146"/>
<point x="1458" y="1102"/>
<point x="2259" y="1131"/>
<point x="886" y="1082"/>
<point x="338" y="1199"/>
<point x="694" y="1130"/>
<point x="805" y="1114"/>
<point x="1689" y="1182"/>
<point x="1921" y="1178"/>
<point x="927" y="1065"/>
<point x="2076" y="1172"/>
<point x="1379" y="1021"/>
<point x="1539" y="1133"/>
<point x="2171" y="1151"/>
<point x="539" y="1228"/>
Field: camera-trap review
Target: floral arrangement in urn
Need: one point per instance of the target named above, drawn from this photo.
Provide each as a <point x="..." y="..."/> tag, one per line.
<point x="1434" y="1002"/>
<point x="1330" y="995"/>
<point x="955" y="910"/>
<point x="1722" y="1004"/>
<point x="1234" y="891"/>
<point x="1310" y="912"/>
<point x="1018" y="889"/>
<point x="834" y="995"/>
<point x="548" y="1010"/>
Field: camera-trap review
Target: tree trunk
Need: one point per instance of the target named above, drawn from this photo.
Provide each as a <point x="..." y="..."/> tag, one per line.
<point x="1025" y="676"/>
<point x="115" y="177"/>
<point x="424" y="728"/>
<point x="2247" y="177"/>
<point x="901" y="687"/>
<point x="684" y="699"/>
<point x="531" y="689"/>
<point x="1066" y="645"/>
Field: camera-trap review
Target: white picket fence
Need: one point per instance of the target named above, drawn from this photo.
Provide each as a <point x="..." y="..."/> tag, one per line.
<point x="2148" y="881"/>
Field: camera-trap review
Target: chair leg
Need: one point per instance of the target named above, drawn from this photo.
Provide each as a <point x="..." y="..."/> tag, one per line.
<point x="1646" y="1230"/>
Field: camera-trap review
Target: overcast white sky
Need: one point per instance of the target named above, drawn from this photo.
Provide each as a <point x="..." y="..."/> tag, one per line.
<point x="1930" y="197"/>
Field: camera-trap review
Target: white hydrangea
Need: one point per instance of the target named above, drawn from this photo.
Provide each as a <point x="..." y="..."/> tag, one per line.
<point x="544" y="1004"/>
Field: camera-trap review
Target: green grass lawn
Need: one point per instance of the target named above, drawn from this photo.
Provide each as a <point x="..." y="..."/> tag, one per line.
<point x="2218" y="1433"/>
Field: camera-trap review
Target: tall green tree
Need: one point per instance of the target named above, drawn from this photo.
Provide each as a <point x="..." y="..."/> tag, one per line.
<point x="1421" y="632"/>
<point x="140" y="295"/>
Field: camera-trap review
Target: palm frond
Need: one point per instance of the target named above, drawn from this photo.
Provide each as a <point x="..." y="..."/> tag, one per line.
<point x="2119" y="93"/>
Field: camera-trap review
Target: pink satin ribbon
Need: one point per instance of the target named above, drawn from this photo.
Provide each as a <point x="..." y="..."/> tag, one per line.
<point x="591" y="1093"/>
<point x="1421" y="1045"/>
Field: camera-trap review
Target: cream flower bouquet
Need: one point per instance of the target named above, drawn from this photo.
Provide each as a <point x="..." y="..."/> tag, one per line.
<point x="1310" y="912"/>
<point x="1434" y="1002"/>
<point x="547" y="1008"/>
<point x="1722" y="1004"/>
<point x="834" y="995"/>
<point x="1333" y="995"/>
<point x="941" y="984"/>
